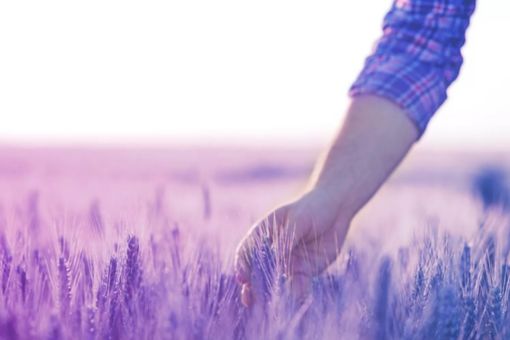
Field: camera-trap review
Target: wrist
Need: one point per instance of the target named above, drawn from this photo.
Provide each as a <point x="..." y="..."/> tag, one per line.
<point x="335" y="197"/>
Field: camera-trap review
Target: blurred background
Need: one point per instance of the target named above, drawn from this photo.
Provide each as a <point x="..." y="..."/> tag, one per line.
<point x="220" y="72"/>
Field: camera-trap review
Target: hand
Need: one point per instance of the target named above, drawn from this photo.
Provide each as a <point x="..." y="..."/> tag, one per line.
<point x="314" y="228"/>
<point x="375" y="137"/>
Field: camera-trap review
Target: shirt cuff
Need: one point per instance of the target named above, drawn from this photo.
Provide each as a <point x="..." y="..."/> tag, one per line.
<point x="416" y="86"/>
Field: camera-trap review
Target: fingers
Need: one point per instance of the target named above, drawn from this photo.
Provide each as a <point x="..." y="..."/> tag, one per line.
<point x="300" y="249"/>
<point x="242" y="262"/>
<point x="314" y="256"/>
<point x="259" y="239"/>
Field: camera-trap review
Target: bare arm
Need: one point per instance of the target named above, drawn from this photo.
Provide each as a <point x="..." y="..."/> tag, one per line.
<point x="375" y="136"/>
<point x="414" y="62"/>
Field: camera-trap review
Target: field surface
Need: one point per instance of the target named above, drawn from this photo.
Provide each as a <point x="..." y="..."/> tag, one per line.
<point x="139" y="244"/>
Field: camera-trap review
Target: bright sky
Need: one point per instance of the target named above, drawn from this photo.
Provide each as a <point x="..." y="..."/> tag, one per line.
<point x="200" y="70"/>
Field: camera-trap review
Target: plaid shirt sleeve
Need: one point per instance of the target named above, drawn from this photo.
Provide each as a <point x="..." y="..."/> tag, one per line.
<point x="418" y="56"/>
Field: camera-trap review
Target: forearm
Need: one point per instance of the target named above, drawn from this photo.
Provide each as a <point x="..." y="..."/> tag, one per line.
<point x="375" y="137"/>
<point x="414" y="62"/>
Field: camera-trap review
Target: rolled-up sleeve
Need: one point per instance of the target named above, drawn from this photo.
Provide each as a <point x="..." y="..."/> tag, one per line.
<point x="418" y="56"/>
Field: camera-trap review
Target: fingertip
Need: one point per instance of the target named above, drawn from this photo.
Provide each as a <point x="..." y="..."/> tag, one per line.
<point x="241" y="277"/>
<point x="246" y="297"/>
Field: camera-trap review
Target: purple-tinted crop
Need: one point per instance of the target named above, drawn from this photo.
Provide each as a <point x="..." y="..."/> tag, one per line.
<point x="115" y="244"/>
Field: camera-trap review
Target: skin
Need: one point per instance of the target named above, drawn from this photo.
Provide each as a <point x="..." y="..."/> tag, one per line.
<point x="375" y="137"/>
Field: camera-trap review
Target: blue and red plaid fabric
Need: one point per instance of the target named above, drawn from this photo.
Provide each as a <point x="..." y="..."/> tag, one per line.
<point x="418" y="56"/>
